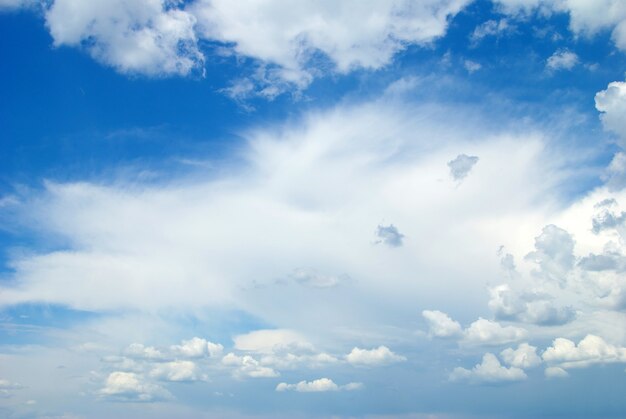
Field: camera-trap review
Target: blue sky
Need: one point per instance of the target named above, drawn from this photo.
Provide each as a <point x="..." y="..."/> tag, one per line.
<point x="359" y="209"/>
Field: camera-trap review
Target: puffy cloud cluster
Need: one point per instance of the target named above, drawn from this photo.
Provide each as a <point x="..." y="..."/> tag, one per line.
<point x="371" y="357"/>
<point x="488" y="371"/>
<point x="592" y="349"/>
<point x="130" y="386"/>
<point x="318" y="386"/>
<point x="562" y="60"/>
<point x="481" y="331"/>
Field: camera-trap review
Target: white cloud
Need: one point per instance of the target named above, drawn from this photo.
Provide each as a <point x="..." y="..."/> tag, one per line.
<point x="318" y="386"/>
<point x="461" y="166"/>
<point x="441" y="325"/>
<point x="351" y="34"/>
<point x="490" y="28"/>
<point x="175" y="371"/>
<point x="130" y="386"/>
<point x="528" y="307"/>
<point x="492" y="333"/>
<point x="489" y="371"/>
<point x="562" y="60"/>
<point x="612" y="105"/>
<point x="272" y="340"/>
<point x="525" y="356"/>
<point x="197" y="348"/>
<point x="592" y="349"/>
<point x="372" y="357"/>
<point x="138" y="350"/>
<point x="248" y="366"/>
<point x="136" y="36"/>
<point x="313" y="278"/>
<point x="472" y="66"/>
<point x="554" y="253"/>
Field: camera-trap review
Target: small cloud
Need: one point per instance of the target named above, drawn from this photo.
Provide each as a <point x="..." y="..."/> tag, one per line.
<point x="317" y="386"/>
<point x="461" y="166"/>
<point x="248" y="366"/>
<point x="490" y="28"/>
<point x="472" y="66"/>
<point x="312" y="278"/>
<point x="525" y="356"/>
<point x="198" y="348"/>
<point x="490" y="371"/>
<point x="128" y="386"/>
<point x="562" y="60"/>
<point x="389" y="235"/>
<point x="441" y="325"/>
<point x="592" y="349"/>
<point x="372" y="357"/>
<point x="175" y="371"/>
<point x="487" y="332"/>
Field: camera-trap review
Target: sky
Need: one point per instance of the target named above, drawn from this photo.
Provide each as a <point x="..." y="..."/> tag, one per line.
<point x="314" y="209"/>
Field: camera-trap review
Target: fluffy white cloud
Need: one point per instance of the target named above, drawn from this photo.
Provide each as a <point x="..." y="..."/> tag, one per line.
<point x="441" y="325"/>
<point x="317" y="386"/>
<point x="488" y="371"/>
<point x="587" y="17"/>
<point x="528" y="307"/>
<point x="130" y="386"/>
<point x="272" y="340"/>
<point x="248" y="366"/>
<point x="525" y="356"/>
<point x="138" y="350"/>
<point x="371" y="357"/>
<point x="488" y="332"/>
<point x="351" y="34"/>
<point x="175" y="371"/>
<point x="592" y="349"/>
<point x="197" y="348"/>
<point x="138" y="36"/>
<point x="554" y="254"/>
<point x="612" y="105"/>
<point x="562" y="60"/>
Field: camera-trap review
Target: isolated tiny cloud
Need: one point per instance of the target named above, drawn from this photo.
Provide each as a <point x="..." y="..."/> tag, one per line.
<point x="377" y="356"/>
<point x="489" y="371"/>
<point x="461" y="166"/>
<point x="318" y="386"/>
<point x="389" y="235"/>
<point x="562" y="60"/>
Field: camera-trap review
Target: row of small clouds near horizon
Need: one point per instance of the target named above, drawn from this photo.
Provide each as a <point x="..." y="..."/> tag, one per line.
<point x="290" y="46"/>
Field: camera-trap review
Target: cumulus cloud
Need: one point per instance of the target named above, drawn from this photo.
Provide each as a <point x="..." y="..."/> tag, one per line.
<point x="197" y="348"/>
<point x="292" y="38"/>
<point x="389" y="235"/>
<point x="562" y="60"/>
<point x="140" y="36"/>
<point x="489" y="371"/>
<point x="590" y="350"/>
<point x="528" y="307"/>
<point x="611" y="102"/>
<point x="269" y="341"/>
<point x="525" y="356"/>
<point x="441" y="325"/>
<point x="488" y="332"/>
<point x="131" y="387"/>
<point x="318" y="386"/>
<point x="461" y="166"/>
<point x="175" y="371"/>
<point x="248" y="366"/>
<point x="554" y="254"/>
<point x="138" y="350"/>
<point x="372" y="357"/>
